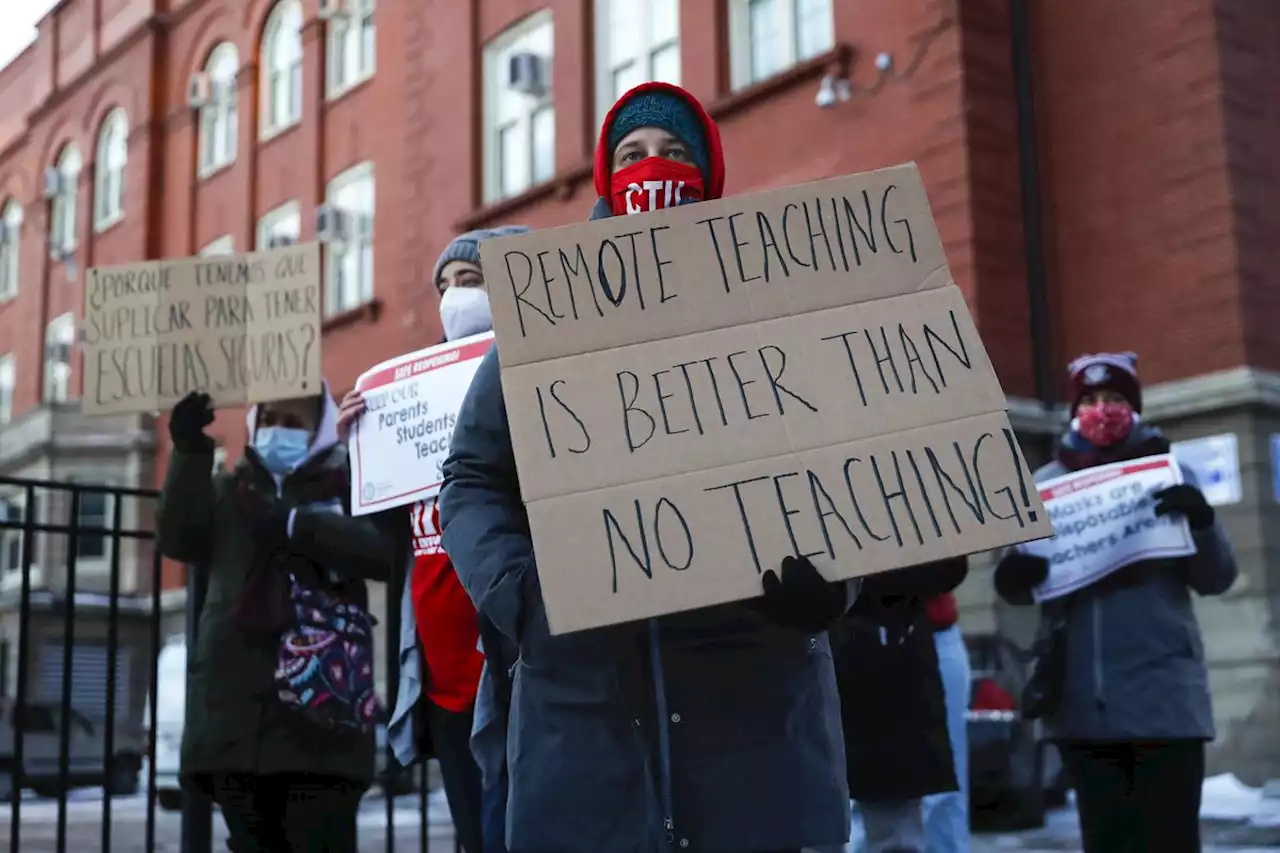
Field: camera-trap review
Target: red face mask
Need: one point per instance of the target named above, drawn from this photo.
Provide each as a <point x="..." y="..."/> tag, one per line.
<point x="653" y="184"/>
<point x="1105" y="424"/>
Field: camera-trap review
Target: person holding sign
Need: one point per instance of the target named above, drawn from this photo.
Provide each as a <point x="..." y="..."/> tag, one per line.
<point x="286" y="777"/>
<point x="1122" y="678"/>
<point x="444" y="626"/>
<point x="713" y="730"/>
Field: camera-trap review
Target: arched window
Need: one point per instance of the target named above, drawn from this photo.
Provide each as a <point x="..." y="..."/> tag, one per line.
<point x="281" y="65"/>
<point x="62" y="227"/>
<point x="109" y="166"/>
<point x="218" y="116"/>
<point x="10" y="245"/>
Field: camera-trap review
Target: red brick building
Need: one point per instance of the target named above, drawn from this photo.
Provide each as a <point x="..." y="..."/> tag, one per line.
<point x="1103" y="175"/>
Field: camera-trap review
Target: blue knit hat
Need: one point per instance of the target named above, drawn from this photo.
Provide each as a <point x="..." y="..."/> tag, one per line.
<point x="466" y="247"/>
<point x="670" y="112"/>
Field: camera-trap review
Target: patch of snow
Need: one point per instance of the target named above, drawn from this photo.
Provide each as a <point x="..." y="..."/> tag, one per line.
<point x="1225" y="797"/>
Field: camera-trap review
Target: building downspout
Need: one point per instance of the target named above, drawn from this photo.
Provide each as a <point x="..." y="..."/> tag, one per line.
<point x="1032" y="213"/>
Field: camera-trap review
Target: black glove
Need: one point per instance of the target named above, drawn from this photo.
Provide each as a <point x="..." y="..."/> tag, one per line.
<point x="1018" y="574"/>
<point x="265" y="516"/>
<point x="801" y="599"/>
<point x="190" y="416"/>
<point x="1186" y="500"/>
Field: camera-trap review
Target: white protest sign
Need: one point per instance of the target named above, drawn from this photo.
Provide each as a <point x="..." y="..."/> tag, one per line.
<point x="1103" y="519"/>
<point x="399" y="445"/>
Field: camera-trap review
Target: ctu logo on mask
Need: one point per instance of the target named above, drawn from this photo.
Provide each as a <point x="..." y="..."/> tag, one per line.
<point x="654" y="183"/>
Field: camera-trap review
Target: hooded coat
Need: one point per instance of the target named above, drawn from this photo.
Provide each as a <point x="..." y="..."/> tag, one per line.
<point x="1135" y="667"/>
<point x="711" y="730"/>
<point x="235" y="724"/>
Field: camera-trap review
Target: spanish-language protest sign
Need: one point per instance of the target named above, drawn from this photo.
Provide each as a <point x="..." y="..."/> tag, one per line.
<point x="697" y="392"/>
<point x="1104" y="519"/>
<point x="399" y="445"/>
<point x="242" y="328"/>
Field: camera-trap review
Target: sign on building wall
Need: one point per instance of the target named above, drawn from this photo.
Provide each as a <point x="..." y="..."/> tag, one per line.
<point x="242" y="328"/>
<point x="1215" y="460"/>
<point x="698" y="392"/>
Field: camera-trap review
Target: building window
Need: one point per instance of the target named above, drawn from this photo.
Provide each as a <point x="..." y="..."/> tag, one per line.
<point x="108" y="174"/>
<point x="637" y="41"/>
<point x="280" y="227"/>
<point x="62" y="236"/>
<point x="92" y="523"/>
<point x="8" y="381"/>
<point x="282" y="68"/>
<point x="350" y="250"/>
<point x="219" y="114"/>
<point x="769" y="36"/>
<point x="520" y="136"/>
<point x="12" y="510"/>
<point x="58" y="340"/>
<point x="352" y="40"/>
<point x="10" y="249"/>
<point x="224" y="245"/>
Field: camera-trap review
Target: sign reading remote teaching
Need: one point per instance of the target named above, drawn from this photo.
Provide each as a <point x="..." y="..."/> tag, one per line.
<point x="698" y="392"/>
<point x="241" y="328"/>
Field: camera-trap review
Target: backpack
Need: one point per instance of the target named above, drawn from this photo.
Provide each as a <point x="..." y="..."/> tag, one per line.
<point x="324" y="668"/>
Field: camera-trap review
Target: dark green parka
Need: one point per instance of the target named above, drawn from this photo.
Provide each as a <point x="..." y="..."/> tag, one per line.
<point x="234" y="723"/>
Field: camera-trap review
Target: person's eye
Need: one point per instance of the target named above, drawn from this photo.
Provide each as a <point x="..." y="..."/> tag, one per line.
<point x="676" y="153"/>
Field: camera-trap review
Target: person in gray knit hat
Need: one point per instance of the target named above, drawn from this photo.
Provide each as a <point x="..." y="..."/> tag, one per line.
<point x="446" y="686"/>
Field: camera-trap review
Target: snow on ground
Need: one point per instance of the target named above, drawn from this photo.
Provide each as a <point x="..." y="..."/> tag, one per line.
<point x="1227" y="798"/>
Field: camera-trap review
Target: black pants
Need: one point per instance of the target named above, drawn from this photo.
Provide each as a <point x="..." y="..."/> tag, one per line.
<point x="288" y="812"/>
<point x="1138" y="797"/>
<point x="451" y="739"/>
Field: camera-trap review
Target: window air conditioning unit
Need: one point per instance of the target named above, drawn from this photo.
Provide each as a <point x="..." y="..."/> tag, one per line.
<point x="52" y="183"/>
<point x="330" y="9"/>
<point x="528" y="74"/>
<point x="333" y="224"/>
<point x="199" y="91"/>
<point x="279" y="241"/>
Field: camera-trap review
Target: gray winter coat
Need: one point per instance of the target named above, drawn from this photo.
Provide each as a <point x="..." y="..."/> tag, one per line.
<point x="1135" y="667"/>
<point x="709" y="731"/>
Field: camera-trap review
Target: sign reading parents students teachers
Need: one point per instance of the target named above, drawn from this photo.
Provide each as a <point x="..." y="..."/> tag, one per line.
<point x="698" y="392"/>
<point x="1103" y="519"/>
<point x="241" y="328"/>
<point x="399" y="445"/>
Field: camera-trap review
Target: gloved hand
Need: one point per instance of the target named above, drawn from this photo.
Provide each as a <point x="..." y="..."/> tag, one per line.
<point x="187" y="421"/>
<point x="1186" y="500"/>
<point x="265" y="515"/>
<point x="1018" y="574"/>
<point x="801" y="599"/>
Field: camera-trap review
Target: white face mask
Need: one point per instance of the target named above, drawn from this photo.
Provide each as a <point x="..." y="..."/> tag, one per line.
<point x="464" y="311"/>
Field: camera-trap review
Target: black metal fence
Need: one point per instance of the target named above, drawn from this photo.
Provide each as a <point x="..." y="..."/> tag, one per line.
<point x="81" y="580"/>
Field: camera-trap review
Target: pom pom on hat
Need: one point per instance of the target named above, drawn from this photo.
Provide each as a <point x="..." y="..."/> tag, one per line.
<point x="1106" y="371"/>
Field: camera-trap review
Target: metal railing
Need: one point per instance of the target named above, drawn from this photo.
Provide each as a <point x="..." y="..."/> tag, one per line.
<point x="58" y="601"/>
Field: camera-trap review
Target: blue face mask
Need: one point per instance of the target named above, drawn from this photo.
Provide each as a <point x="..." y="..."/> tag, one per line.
<point x="282" y="449"/>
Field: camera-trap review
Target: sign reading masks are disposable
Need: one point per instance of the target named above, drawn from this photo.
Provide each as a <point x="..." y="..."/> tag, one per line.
<point x="241" y="328"/>
<point x="698" y="392"/>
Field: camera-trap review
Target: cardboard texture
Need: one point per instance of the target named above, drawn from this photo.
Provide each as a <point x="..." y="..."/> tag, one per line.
<point x="807" y="344"/>
<point x="242" y="328"/>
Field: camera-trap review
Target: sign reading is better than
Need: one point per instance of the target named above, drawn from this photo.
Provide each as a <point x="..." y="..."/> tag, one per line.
<point x="697" y="392"/>
<point x="241" y="328"/>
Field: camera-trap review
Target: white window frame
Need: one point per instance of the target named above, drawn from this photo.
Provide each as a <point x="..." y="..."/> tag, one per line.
<point x="219" y="116"/>
<point x="280" y="69"/>
<point x="13" y="506"/>
<point x="351" y="259"/>
<point x="63" y="227"/>
<point x="741" y="42"/>
<point x="647" y="48"/>
<point x="532" y="117"/>
<point x="8" y="385"/>
<point x="59" y="341"/>
<point x="280" y="222"/>
<point x="10" y="249"/>
<point x="224" y="245"/>
<point x="351" y="40"/>
<point x="110" y="163"/>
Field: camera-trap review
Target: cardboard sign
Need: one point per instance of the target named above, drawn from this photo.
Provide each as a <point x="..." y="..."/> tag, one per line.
<point x="697" y="392"/>
<point x="399" y="445"/>
<point x="242" y="328"/>
<point x="1103" y="519"/>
